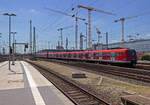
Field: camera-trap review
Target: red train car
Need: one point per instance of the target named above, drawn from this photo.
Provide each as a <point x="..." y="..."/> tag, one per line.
<point x="124" y="56"/>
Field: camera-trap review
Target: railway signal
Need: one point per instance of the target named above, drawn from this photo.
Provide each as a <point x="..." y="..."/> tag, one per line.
<point x="89" y="20"/>
<point x="76" y="23"/>
<point x="122" y="22"/>
<point x="61" y="36"/>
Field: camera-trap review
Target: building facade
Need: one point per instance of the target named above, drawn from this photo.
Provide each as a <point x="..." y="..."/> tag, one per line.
<point x="142" y="46"/>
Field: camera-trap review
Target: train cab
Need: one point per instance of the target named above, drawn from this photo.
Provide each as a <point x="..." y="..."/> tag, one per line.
<point x="132" y="57"/>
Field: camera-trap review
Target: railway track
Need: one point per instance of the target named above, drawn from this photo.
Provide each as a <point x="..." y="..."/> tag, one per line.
<point x="129" y="73"/>
<point x="143" y="66"/>
<point x="74" y="92"/>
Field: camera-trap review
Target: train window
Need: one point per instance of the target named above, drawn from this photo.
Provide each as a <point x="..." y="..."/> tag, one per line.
<point x="100" y="54"/>
<point x="66" y="55"/>
<point x="83" y="55"/>
<point x="90" y="54"/>
<point x="79" y="54"/>
<point x="122" y="53"/>
<point x="69" y="54"/>
<point x="72" y="54"/>
<point x="96" y="55"/>
<point x="86" y="54"/>
<point x="112" y="54"/>
<point x="103" y="54"/>
<point x="108" y="55"/>
<point x="132" y="54"/>
<point x="75" y="54"/>
<point x="116" y="54"/>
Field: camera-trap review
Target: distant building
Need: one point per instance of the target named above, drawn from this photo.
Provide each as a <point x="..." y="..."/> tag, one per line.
<point x="95" y="46"/>
<point x="141" y="46"/>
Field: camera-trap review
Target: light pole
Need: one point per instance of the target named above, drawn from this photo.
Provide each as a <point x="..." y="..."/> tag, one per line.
<point x="13" y="45"/>
<point x="9" y="15"/>
<point x="86" y="35"/>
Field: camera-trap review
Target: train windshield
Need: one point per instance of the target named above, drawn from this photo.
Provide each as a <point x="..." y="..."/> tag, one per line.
<point x="132" y="53"/>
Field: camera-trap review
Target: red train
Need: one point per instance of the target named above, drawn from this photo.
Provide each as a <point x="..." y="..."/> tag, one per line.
<point x="120" y="56"/>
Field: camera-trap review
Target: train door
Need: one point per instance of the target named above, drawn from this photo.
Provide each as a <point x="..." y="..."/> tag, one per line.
<point x="108" y="56"/>
<point x="96" y="55"/>
<point x="90" y="56"/>
<point x="87" y="56"/>
<point x="83" y="56"/>
<point x="74" y="55"/>
<point x="100" y="56"/>
<point x="112" y="56"/>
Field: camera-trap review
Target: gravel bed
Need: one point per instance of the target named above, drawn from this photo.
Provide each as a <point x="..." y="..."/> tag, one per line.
<point x="104" y="87"/>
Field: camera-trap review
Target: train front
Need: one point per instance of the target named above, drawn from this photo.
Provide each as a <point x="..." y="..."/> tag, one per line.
<point x="132" y="57"/>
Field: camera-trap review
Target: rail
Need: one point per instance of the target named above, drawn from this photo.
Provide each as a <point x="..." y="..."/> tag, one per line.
<point x="77" y="94"/>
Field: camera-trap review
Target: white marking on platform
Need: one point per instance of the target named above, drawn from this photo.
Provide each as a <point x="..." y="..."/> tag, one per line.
<point x="4" y="63"/>
<point x="36" y="94"/>
<point x="144" y="97"/>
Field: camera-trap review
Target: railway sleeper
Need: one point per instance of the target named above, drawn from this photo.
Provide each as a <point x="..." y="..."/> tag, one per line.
<point x="76" y="95"/>
<point x="74" y="92"/>
<point x="69" y="88"/>
<point x="84" y="99"/>
<point x="90" y="103"/>
<point x="80" y="96"/>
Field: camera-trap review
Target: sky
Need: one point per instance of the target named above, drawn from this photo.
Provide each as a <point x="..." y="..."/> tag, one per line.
<point x="47" y="22"/>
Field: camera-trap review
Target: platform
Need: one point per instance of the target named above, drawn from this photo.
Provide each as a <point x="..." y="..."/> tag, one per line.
<point x="24" y="85"/>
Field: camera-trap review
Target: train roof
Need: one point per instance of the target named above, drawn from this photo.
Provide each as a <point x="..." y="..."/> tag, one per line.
<point x="115" y="50"/>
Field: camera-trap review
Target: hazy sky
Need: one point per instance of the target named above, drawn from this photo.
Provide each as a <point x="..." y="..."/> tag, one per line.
<point x="47" y="22"/>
